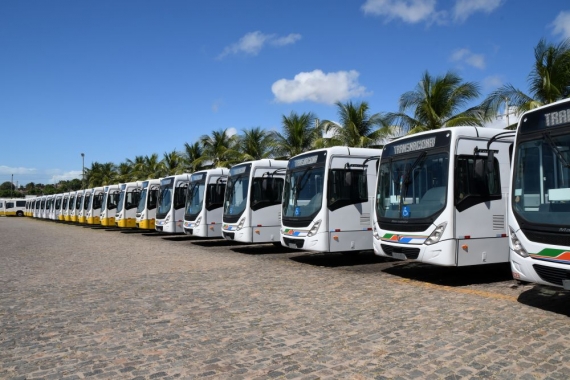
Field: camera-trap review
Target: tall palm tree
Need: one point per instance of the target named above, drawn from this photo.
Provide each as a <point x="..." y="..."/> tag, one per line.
<point x="220" y="149"/>
<point x="172" y="162"/>
<point x="124" y="172"/>
<point x="137" y="166"/>
<point x="256" y="143"/>
<point x="192" y="152"/>
<point x="356" y="128"/>
<point x="298" y="136"/>
<point x="435" y="103"/>
<point x="549" y="81"/>
<point x="100" y="174"/>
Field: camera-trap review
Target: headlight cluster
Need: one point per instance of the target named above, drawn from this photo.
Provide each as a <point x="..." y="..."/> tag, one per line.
<point x="314" y="229"/>
<point x="240" y="224"/>
<point x="516" y="244"/>
<point x="375" y="233"/>
<point x="436" y="234"/>
<point x="198" y="220"/>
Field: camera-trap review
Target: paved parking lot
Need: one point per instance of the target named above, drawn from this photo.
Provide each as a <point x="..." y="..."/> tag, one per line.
<point x="77" y="302"/>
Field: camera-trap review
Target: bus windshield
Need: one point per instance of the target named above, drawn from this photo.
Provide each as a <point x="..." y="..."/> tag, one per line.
<point x="121" y="200"/>
<point x="237" y="189"/>
<point x="142" y="200"/>
<point x="165" y="195"/>
<point x="303" y="192"/>
<point x="195" y="198"/>
<point x="86" y="201"/>
<point x="412" y="187"/>
<point x="541" y="179"/>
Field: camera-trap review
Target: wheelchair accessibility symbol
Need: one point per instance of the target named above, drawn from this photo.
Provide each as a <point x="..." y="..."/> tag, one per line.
<point x="406" y="212"/>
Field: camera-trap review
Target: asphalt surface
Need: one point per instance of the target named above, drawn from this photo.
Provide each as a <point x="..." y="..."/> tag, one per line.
<point x="78" y="302"/>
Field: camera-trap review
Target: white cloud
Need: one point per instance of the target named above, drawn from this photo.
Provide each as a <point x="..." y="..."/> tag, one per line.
<point x="287" y="40"/>
<point x="253" y="42"/>
<point x="492" y="82"/>
<point x="16" y="171"/>
<point x="66" y="176"/>
<point x="318" y="87"/>
<point x="465" y="8"/>
<point x="411" y="11"/>
<point x="561" y="24"/>
<point x="231" y="131"/>
<point x="472" y="59"/>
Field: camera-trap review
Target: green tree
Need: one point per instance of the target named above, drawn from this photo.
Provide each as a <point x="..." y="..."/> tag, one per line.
<point x="191" y="155"/>
<point x="298" y="135"/>
<point x="100" y="174"/>
<point x="549" y="81"/>
<point x="255" y="144"/>
<point x="435" y="103"/>
<point x="356" y="127"/>
<point x="219" y="150"/>
<point x="172" y="163"/>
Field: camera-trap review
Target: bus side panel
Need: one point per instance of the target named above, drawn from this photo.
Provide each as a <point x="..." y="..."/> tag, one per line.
<point x="350" y="241"/>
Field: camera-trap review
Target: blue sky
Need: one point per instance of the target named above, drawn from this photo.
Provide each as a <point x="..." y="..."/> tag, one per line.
<point x="117" y="79"/>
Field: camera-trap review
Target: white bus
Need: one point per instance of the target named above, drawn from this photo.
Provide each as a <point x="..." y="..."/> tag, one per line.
<point x="63" y="207"/>
<point x="58" y="198"/>
<point x="109" y="205"/>
<point x="205" y="202"/>
<point x="327" y="200"/>
<point x="437" y="203"/>
<point x="171" y="201"/>
<point x="93" y="211"/>
<point x="84" y="207"/>
<point x="70" y="210"/>
<point x="126" y="215"/>
<point x="37" y="207"/>
<point x="12" y="207"/>
<point x="30" y="202"/>
<point x="78" y="206"/>
<point x="146" y="209"/>
<point x="46" y="202"/>
<point x="539" y="206"/>
<point x="252" y="202"/>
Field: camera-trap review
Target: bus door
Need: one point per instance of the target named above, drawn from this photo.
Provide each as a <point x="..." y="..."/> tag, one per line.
<point x="265" y="203"/>
<point x="479" y="206"/>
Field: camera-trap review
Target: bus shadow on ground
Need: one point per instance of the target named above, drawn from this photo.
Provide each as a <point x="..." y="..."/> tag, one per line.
<point x="333" y="260"/>
<point x="178" y="237"/>
<point x="207" y="242"/>
<point x="133" y="231"/>
<point x="262" y="249"/>
<point x="549" y="299"/>
<point x="452" y="276"/>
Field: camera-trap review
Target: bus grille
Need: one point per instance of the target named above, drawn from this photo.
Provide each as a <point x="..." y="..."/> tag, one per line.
<point x="547" y="238"/>
<point x="411" y="253"/>
<point x="552" y="275"/>
<point x="228" y="235"/>
<point x="294" y="242"/>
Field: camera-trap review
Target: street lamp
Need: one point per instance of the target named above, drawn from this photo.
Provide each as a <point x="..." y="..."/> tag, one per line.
<point x="82" y="171"/>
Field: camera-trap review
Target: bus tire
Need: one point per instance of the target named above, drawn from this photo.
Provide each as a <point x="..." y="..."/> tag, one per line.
<point x="19" y="213"/>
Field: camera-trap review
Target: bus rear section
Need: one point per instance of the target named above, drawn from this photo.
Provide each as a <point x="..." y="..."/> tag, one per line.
<point x="539" y="206"/>
<point x="204" y="203"/>
<point x="327" y="200"/>
<point x="436" y="201"/>
<point x="171" y="201"/>
<point x="252" y="202"/>
<point x="146" y="208"/>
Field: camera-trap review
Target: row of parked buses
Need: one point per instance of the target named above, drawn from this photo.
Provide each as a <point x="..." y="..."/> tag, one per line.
<point x="445" y="197"/>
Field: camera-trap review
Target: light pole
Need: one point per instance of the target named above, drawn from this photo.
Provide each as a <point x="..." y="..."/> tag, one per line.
<point x="82" y="171"/>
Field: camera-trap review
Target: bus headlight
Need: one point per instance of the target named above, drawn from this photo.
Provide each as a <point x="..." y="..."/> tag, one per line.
<point x="315" y="228"/>
<point x="375" y="232"/>
<point x="516" y="244"/>
<point x="436" y="234"/>
<point x="240" y="224"/>
<point x="198" y="220"/>
<point x="167" y="219"/>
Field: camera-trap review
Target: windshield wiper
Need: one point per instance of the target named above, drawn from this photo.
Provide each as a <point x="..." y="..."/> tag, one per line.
<point x="557" y="151"/>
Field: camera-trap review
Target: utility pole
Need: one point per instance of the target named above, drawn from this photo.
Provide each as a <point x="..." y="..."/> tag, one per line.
<point x="12" y="187"/>
<point x="82" y="171"/>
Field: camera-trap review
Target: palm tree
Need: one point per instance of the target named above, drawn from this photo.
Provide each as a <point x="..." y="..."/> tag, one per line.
<point x="172" y="162"/>
<point x="437" y="103"/>
<point x="549" y="81"/>
<point x="100" y="174"/>
<point x="299" y="135"/>
<point x="192" y="152"/>
<point x="137" y="166"/>
<point x="124" y="172"/>
<point x="220" y="150"/>
<point x="255" y="144"/>
<point x="357" y="128"/>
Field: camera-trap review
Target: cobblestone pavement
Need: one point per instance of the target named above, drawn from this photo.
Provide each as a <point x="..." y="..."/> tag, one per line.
<point x="78" y="302"/>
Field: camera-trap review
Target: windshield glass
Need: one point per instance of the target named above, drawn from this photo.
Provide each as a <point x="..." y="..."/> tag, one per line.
<point x="195" y="198"/>
<point x="165" y="195"/>
<point x="541" y="180"/>
<point x="121" y="201"/>
<point x="87" y="201"/>
<point x="142" y="200"/>
<point x="303" y="192"/>
<point x="71" y="202"/>
<point x="237" y="188"/>
<point x="78" y="203"/>
<point x="412" y="187"/>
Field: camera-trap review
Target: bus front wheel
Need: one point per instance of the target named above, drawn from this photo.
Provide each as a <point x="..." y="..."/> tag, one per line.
<point x="19" y="213"/>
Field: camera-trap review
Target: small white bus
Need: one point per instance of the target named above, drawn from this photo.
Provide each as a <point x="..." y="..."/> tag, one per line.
<point x="146" y="209"/>
<point x="93" y="212"/>
<point x="252" y="202"/>
<point x="204" y="203"/>
<point x="109" y="205"/>
<point x="327" y="200"/>
<point x="171" y="201"/>
<point x="126" y="215"/>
